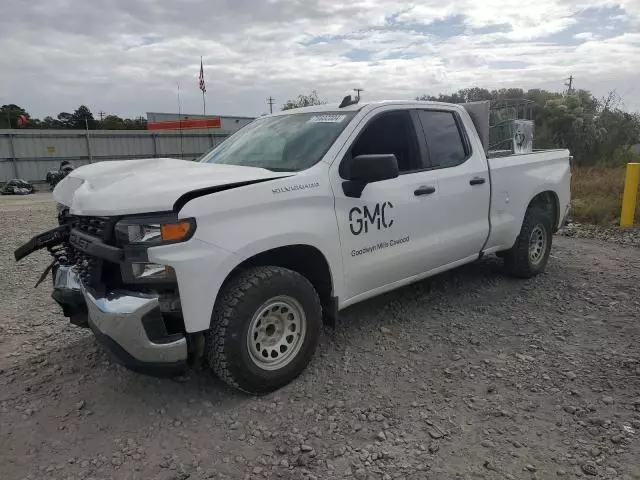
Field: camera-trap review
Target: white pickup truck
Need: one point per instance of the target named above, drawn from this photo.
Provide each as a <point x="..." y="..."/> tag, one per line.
<point x="236" y="259"/>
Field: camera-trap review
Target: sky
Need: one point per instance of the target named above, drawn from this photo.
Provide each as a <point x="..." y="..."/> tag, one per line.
<point x="126" y="57"/>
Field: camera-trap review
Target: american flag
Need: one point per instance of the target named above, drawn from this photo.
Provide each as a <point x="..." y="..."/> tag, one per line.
<point x="201" y="78"/>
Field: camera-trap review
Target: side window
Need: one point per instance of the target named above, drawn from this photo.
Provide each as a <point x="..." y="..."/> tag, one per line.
<point x="447" y="147"/>
<point x="391" y="132"/>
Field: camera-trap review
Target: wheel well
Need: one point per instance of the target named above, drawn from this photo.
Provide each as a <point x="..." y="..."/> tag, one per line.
<point x="548" y="202"/>
<point x="307" y="261"/>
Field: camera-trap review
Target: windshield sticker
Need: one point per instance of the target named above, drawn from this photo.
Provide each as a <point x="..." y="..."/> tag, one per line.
<point x="327" y="119"/>
<point x="293" y="188"/>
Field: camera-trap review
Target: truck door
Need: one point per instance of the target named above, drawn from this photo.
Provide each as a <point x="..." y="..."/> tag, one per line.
<point x="459" y="167"/>
<point x="383" y="234"/>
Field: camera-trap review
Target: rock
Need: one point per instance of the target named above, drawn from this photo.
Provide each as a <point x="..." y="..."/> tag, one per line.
<point x="80" y="405"/>
<point x="385" y="330"/>
<point x="305" y="448"/>
<point x="611" y="472"/>
<point x="234" y="426"/>
<point x="488" y="444"/>
<point x="435" y="434"/>
<point x="570" y="409"/>
<point x="381" y="436"/>
<point x="571" y="375"/>
<point x="524" y="358"/>
<point x="434" y="447"/>
<point x="530" y="467"/>
<point x="360" y="474"/>
<point x="339" y="450"/>
<point x="617" y="438"/>
<point x="257" y="470"/>
<point x="607" y="400"/>
<point x="489" y="465"/>
<point x="561" y="473"/>
<point x="516" y="443"/>
<point x="589" y="468"/>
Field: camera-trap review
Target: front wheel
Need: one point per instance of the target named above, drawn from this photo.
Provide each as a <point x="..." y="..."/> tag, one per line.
<point x="530" y="253"/>
<point x="264" y="330"/>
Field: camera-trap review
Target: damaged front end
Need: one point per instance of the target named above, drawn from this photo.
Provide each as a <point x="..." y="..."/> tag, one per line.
<point x="138" y="319"/>
<point x="67" y="289"/>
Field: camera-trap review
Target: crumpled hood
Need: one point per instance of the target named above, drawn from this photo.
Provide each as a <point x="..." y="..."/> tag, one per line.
<point x="139" y="186"/>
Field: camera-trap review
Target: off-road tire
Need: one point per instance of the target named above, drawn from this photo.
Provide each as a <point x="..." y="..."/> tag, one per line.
<point x="517" y="260"/>
<point x="227" y="346"/>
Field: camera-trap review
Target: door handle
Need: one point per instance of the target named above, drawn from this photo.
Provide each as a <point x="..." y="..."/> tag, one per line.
<point x="424" y="190"/>
<point x="477" y="181"/>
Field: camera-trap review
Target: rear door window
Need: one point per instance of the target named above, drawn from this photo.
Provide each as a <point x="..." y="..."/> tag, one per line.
<point x="445" y="142"/>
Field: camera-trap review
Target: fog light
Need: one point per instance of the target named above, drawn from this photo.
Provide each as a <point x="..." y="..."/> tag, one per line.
<point x="152" y="271"/>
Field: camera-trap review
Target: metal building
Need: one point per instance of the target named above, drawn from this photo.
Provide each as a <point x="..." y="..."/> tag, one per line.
<point x="173" y="121"/>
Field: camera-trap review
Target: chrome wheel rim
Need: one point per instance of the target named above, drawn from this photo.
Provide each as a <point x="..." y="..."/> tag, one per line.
<point x="537" y="244"/>
<point x="276" y="333"/>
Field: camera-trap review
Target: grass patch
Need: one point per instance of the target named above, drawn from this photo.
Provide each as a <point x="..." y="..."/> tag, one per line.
<point x="596" y="195"/>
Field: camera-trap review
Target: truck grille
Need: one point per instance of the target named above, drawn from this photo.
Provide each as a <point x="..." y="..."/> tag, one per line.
<point x="96" y="226"/>
<point x="88" y="268"/>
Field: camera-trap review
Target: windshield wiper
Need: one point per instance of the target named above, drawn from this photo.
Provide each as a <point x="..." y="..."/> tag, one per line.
<point x="279" y="169"/>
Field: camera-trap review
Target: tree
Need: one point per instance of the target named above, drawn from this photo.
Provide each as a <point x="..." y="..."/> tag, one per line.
<point x="304" y="101"/>
<point x="595" y="131"/>
<point x="9" y="115"/>
<point x="113" y="122"/>
<point x="82" y="118"/>
<point x="138" y="123"/>
<point x="64" y="120"/>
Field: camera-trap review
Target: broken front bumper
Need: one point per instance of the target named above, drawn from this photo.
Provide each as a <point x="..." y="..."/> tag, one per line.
<point x="128" y="324"/>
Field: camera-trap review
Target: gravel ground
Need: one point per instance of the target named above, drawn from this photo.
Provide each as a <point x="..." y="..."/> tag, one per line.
<point x="468" y="375"/>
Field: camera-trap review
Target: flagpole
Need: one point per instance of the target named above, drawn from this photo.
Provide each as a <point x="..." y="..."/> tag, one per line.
<point x="180" y="121"/>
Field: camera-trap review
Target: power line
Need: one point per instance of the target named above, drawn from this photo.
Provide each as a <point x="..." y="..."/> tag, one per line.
<point x="271" y="101"/>
<point x="569" y="84"/>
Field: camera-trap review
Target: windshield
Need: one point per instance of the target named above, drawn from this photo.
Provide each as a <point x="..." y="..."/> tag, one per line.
<point x="284" y="143"/>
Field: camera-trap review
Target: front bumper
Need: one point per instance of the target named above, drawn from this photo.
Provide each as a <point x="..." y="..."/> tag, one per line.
<point x="128" y="324"/>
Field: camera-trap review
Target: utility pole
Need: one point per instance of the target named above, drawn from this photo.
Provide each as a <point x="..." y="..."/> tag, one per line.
<point x="358" y="90"/>
<point x="271" y="101"/>
<point x="569" y="84"/>
<point x="101" y="115"/>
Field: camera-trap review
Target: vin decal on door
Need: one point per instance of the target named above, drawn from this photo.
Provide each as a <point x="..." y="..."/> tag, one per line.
<point x="380" y="217"/>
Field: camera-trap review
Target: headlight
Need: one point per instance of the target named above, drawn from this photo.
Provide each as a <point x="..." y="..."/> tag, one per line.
<point x="156" y="231"/>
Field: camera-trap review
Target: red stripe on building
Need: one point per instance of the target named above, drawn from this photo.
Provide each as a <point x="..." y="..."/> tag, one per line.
<point x="185" y="124"/>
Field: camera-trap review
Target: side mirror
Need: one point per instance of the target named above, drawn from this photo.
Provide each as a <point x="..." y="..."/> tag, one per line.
<point x="365" y="169"/>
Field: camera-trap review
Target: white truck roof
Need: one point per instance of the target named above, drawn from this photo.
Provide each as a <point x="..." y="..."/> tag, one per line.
<point x="334" y="107"/>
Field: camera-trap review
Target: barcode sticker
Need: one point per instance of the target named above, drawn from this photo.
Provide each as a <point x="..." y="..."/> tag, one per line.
<point x="327" y="118"/>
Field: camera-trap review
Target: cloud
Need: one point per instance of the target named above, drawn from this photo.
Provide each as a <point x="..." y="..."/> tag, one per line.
<point x="126" y="56"/>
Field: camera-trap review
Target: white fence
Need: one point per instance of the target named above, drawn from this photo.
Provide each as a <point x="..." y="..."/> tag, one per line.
<point x="30" y="154"/>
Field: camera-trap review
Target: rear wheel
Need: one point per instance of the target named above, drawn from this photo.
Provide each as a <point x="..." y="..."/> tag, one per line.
<point x="264" y="330"/>
<point x="530" y="253"/>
